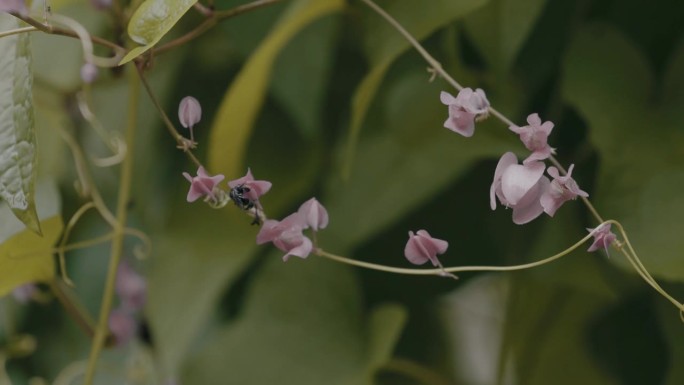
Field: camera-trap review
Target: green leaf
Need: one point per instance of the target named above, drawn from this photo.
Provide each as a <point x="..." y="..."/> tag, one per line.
<point x="193" y="265"/>
<point x="398" y="169"/>
<point x="302" y="323"/>
<point x="638" y="137"/>
<point x="500" y="29"/>
<point x="308" y="57"/>
<point x="235" y="118"/>
<point x="26" y="257"/>
<point x="17" y="136"/>
<point x="384" y="45"/>
<point x="151" y="21"/>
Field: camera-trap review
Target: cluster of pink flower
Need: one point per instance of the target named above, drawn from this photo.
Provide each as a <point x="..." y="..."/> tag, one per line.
<point x="521" y="187"/>
<point x="131" y="289"/>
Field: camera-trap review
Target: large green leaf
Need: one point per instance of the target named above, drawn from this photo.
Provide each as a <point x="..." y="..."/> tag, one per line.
<point x="302" y="324"/>
<point x="384" y="44"/>
<point x="401" y="167"/>
<point x="192" y="265"/>
<point x="499" y="29"/>
<point x="151" y="21"/>
<point x="234" y="121"/>
<point x="17" y="136"/>
<point x="638" y="135"/>
<point x="26" y="257"/>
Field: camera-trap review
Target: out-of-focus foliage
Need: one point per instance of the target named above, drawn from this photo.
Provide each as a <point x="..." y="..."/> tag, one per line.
<point x="324" y="99"/>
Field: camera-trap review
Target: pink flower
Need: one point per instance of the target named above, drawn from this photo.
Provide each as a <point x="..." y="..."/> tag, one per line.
<point x="287" y="236"/>
<point x="130" y="287"/>
<point x="519" y="187"/>
<point x="123" y="326"/>
<point x="314" y="214"/>
<point x="421" y="247"/>
<point x="535" y="136"/>
<point x="464" y="109"/>
<point x="561" y="189"/>
<point x="603" y="238"/>
<point x="14" y="6"/>
<point x="256" y="188"/>
<point x="89" y="72"/>
<point x="189" y="112"/>
<point x="202" y="185"/>
<point x="24" y="293"/>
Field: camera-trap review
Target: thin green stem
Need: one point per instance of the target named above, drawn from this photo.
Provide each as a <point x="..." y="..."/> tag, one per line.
<point x="213" y="17"/>
<point x="74" y="307"/>
<point x="117" y="242"/>
<point x="17" y="31"/>
<point x="165" y="118"/>
<point x="460" y="269"/>
<point x="49" y="29"/>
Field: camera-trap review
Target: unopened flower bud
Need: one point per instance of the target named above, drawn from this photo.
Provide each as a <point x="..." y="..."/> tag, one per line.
<point x="89" y="72"/>
<point x="189" y="112"/>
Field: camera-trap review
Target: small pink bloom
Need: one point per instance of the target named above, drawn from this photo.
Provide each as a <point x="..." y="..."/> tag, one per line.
<point x="15" y="6"/>
<point x="561" y="189"/>
<point x="24" y="293"/>
<point x="89" y="72"/>
<point x="464" y="109"/>
<point x="421" y="247"/>
<point x="603" y="238"/>
<point x="256" y="188"/>
<point x="519" y="187"/>
<point x="202" y="185"/>
<point x="189" y="112"/>
<point x="130" y="287"/>
<point x="535" y="136"/>
<point x="314" y="214"/>
<point x="287" y="236"/>
<point x="123" y="326"/>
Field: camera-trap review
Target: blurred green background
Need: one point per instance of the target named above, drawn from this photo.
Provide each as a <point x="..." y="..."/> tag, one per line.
<point x="324" y="99"/>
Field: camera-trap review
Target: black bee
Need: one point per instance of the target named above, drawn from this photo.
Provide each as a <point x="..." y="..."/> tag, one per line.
<point x="237" y="195"/>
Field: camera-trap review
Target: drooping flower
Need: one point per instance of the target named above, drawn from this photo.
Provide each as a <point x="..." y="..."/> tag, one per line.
<point x="16" y="6"/>
<point x="421" y="247"/>
<point x="603" y="238"/>
<point x="122" y="325"/>
<point x="130" y="287"/>
<point x="189" y="111"/>
<point x="287" y="236"/>
<point x="256" y="188"/>
<point x="464" y="109"/>
<point x="535" y="136"/>
<point x="202" y="185"/>
<point x="519" y="187"/>
<point x="314" y="214"/>
<point x="561" y="189"/>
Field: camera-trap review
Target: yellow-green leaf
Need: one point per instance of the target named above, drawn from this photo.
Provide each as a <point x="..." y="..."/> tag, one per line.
<point x="17" y="136"/>
<point x="151" y="21"/>
<point x="234" y="121"/>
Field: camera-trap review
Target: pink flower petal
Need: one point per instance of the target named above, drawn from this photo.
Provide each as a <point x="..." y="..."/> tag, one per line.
<point x="517" y="180"/>
<point x="314" y="214"/>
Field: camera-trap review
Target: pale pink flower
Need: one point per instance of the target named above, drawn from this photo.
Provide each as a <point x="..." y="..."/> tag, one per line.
<point x="15" y="6"/>
<point x="561" y="189"/>
<point x="421" y="247"/>
<point x="256" y="188"/>
<point x="24" y="293"/>
<point x="603" y="238"/>
<point x="314" y="214"/>
<point x="189" y="111"/>
<point x="464" y="109"/>
<point x="89" y="72"/>
<point x="123" y="326"/>
<point x="130" y="287"/>
<point x="202" y="185"/>
<point x="287" y="236"/>
<point x="519" y="187"/>
<point x="535" y="136"/>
